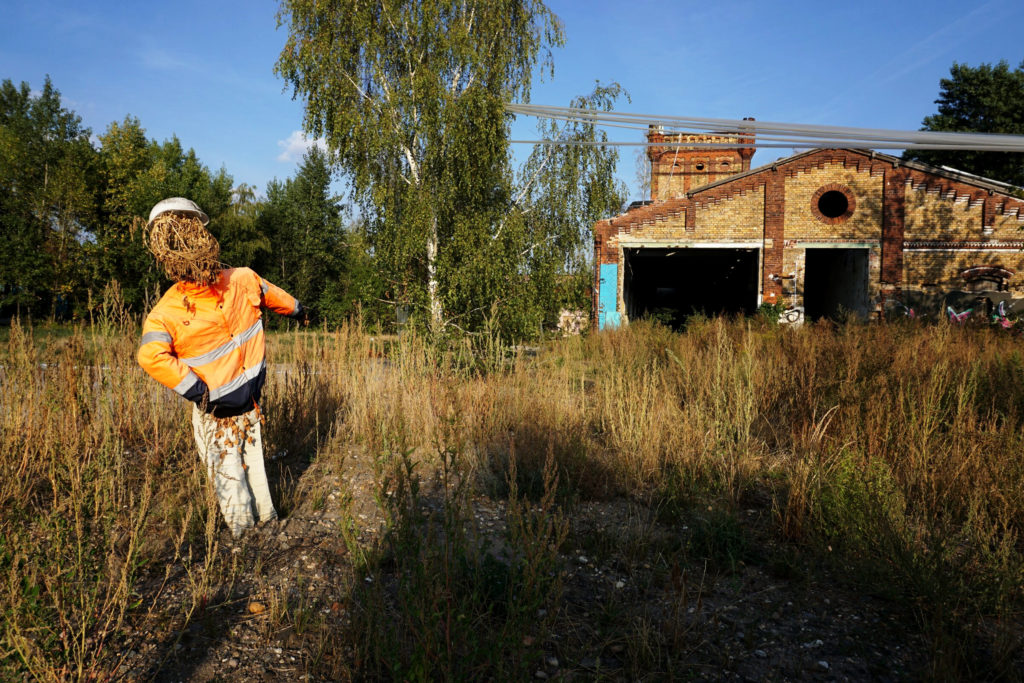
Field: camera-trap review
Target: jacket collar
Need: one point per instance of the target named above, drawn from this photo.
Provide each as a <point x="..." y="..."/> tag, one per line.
<point x="199" y="290"/>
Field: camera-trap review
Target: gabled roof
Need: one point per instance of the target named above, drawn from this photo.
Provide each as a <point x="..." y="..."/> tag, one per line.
<point x="941" y="171"/>
<point x="659" y="210"/>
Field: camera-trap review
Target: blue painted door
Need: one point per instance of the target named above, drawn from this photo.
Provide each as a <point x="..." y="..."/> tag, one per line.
<point x="608" y="297"/>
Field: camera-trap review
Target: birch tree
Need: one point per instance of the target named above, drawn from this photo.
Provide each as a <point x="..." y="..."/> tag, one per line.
<point x="409" y="96"/>
<point x="562" y="189"/>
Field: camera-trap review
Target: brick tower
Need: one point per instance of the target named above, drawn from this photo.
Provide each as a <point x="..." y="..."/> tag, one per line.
<point x="675" y="170"/>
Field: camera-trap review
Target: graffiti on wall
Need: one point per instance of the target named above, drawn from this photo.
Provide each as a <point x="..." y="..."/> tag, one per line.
<point x="957" y="307"/>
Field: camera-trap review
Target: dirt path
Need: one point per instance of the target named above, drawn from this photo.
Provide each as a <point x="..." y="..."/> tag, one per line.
<point x="630" y="609"/>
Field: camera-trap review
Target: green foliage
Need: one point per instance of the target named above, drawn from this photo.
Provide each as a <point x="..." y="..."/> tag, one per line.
<point x="441" y="602"/>
<point x="860" y="505"/>
<point x="126" y="157"/>
<point x="47" y="197"/>
<point x="771" y="312"/>
<point x="73" y="216"/>
<point x="313" y="256"/>
<point x="563" y="189"/>
<point x="136" y="174"/>
<point x="446" y="230"/>
<point x="950" y="570"/>
<point x="718" y="537"/>
<point x="69" y="212"/>
<point x="409" y="97"/>
<point x="242" y="242"/>
<point x="982" y="99"/>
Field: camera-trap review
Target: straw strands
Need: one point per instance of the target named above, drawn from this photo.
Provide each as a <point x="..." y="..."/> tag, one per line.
<point x="184" y="248"/>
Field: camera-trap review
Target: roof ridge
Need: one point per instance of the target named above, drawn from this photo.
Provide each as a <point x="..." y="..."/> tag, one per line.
<point x="659" y="209"/>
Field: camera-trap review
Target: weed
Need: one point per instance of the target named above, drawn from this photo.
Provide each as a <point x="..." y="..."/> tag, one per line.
<point x="718" y="538"/>
<point x="890" y="450"/>
<point x="437" y="598"/>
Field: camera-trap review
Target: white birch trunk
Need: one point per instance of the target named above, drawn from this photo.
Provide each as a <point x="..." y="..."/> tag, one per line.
<point x="432" y="295"/>
<point x="433" y="299"/>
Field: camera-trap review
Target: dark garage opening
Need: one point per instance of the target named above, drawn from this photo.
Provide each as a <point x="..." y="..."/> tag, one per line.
<point x="836" y="283"/>
<point x="671" y="284"/>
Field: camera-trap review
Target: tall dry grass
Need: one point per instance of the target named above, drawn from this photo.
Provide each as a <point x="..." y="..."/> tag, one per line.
<point x="91" y="459"/>
<point x="894" y="450"/>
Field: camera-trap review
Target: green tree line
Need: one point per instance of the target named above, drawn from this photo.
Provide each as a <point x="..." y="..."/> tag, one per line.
<point x="512" y="247"/>
<point x="72" y="211"/>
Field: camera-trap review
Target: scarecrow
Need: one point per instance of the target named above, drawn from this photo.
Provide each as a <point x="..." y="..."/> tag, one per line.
<point x="204" y="340"/>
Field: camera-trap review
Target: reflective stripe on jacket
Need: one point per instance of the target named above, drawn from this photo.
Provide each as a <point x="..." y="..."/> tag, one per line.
<point x="207" y="343"/>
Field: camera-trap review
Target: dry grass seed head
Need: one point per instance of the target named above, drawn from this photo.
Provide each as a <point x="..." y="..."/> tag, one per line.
<point x="184" y="248"/>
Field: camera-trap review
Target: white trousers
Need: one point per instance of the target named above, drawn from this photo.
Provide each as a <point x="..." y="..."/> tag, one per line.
<point x="232" y="450"/>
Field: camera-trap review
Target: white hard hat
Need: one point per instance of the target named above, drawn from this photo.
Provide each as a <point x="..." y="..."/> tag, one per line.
<point x="178" y="205"/>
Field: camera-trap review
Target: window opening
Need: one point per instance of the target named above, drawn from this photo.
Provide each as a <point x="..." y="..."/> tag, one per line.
<point x="833" y="204"/>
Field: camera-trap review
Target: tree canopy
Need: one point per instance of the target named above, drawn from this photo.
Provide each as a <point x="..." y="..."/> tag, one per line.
<point x="71" y="213"/>
<point x="313" y="253"/>
<point x="983" y="99"/>
<point x="47" y="197"/>
<point x="445" y="227"/>
<point x="409" y="96"/>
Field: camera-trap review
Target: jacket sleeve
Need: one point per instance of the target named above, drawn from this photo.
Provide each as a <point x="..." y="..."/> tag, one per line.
<point x="157" y="357"/>
<point x="278" y="300"/>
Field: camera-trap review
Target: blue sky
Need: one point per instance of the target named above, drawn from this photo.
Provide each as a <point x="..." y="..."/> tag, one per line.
<point x="204" y="70"/>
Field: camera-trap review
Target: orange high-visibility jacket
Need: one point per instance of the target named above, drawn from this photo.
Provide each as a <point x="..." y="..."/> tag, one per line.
<point x="206" y="343"/>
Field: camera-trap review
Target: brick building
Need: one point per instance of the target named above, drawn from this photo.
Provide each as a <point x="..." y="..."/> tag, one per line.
<point x="827" y="230"/>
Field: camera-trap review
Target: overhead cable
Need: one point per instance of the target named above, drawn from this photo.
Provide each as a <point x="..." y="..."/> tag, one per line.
<point x="749" y="126"/>
<point x="767" y="134"/>
<point x="802" y="144"/>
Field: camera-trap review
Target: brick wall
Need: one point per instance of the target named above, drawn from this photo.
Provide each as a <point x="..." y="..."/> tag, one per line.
<point x="893" y="229"/>
<point x="930" y="215"/>
<point x="1008" y="225"/>
<point x="675" y="170"/>
<point x="898" y="209"/>
<point x="774" y="234"/>
<point x="941" y="268"/>
<point x="864" y="184"/>
<point x="736" y="217"/>
<point x="670" y="228"/>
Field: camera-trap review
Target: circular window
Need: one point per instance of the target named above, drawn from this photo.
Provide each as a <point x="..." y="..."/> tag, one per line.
<point x="700" y="167"/>
<point x="833" y="203"/>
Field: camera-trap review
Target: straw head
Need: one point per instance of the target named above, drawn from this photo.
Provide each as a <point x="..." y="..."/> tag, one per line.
<point x="184" y="248"/>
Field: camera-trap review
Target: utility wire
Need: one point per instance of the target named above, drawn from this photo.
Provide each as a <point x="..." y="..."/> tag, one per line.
<point x="798" y="141"/>
<point x="746" y="126"/>
<point x="801" y="144"/>
<point x="767" y="134"/>
<point x="895" y="138"/>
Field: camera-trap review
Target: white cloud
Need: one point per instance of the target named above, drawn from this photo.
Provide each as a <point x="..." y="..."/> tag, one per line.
<point x="297" y="145"/>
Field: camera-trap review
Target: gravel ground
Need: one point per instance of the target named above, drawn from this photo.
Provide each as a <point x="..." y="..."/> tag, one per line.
<point x="629" y="611"/>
